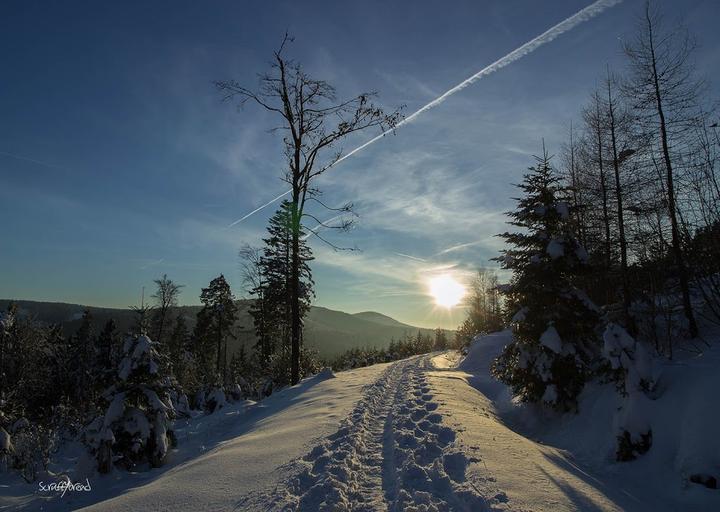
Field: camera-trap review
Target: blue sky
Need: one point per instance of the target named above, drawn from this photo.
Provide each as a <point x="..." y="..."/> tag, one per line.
<point x="119" y="162"/>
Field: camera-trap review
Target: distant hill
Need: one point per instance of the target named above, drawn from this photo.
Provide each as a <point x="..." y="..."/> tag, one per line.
<point x="379" y="318"/>
<point x="330" y="332"/>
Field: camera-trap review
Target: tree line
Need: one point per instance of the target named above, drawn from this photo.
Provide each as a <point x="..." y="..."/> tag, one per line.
<point x="615" y="249"/>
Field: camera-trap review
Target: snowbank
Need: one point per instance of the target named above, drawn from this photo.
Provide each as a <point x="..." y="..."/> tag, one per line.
<point x="684" y="418"/>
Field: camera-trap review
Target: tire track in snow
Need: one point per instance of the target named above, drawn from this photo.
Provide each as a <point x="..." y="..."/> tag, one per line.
<point x="391" y="453"/>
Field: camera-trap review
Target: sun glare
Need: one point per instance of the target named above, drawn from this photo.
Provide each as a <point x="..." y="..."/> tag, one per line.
<point x="446" y="291"/>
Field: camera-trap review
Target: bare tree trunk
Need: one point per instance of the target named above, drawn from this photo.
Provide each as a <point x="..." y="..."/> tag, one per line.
<point x="677" y="249"/>
<point x="315" y="123"/>
<point x="629" y="324"/>
<point x="225" y="376"/>
<point x="295" y="299"/>
<point x="219" y="345"/>
<point x="603" y="187"/>
<point x="574" y="182"/>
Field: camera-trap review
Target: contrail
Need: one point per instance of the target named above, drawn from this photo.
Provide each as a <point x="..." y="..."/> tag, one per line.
<point x="550" y="34"/>
<point x="259" y="208"/>
<point x="410" y="257"/>
<point x="460" y="246"/>
<point x="28" y="159"/>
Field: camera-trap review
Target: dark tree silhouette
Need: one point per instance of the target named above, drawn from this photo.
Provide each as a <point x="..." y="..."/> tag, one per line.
<point x="314" y="122"/>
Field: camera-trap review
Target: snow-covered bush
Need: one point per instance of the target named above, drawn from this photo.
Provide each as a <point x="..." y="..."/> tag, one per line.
<point x="633" y="369"/>
<point x="553" y="322"/>
<point x="215" y="400"/>
<point x="135" y="428"/>
<point x="179" y="402"/>
<point x="32" y="444"/>
<point x="629" y="362"/>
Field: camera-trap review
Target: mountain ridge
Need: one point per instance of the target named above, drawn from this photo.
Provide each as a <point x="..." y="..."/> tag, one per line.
<point x="329" y="331"/>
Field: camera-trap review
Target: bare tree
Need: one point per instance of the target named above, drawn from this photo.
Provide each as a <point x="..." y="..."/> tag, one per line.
<point x="595" y="125"/>
<point x="314" y="122"/>
<point x="166" y="298"/>
<point x="664" y="93"/>
<point x="617" y="121"/>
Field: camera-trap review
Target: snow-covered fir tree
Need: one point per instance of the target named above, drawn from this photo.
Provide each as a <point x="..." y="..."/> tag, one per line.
<point x="635" y="371"/>
<point x="553" y="322"/>
<point x="136" y="426"/>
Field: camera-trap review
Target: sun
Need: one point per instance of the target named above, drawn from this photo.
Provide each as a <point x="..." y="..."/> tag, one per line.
<point x="446" y="291"/>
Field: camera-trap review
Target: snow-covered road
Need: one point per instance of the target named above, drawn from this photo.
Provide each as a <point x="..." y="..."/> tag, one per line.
<point x="412" y="435"/>
<point x="391" y="453"/>
<point x="431" y="433"/>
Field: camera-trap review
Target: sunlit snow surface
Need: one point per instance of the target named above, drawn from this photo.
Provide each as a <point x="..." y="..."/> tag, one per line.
<point x="432" y="432"/>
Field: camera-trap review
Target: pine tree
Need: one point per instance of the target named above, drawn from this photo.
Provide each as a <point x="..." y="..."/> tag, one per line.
<point x="142" y="318"/>
<point x="441" y="342"/>
<point x="83" y="369"/>
<point x="272" y="307"/>
<point x="216" y="319"/>
<point x="109" y="352"/>
<point x="553" y="325"/>
<point x="179" y="352"/>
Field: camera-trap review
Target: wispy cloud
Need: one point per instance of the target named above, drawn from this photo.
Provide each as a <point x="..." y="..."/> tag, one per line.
<point x="549" y="35"/>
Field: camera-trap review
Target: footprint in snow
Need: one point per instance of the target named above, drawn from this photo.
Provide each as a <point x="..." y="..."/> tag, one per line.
<point x="418" y="414"/>
<point x="455" y="465"/>
<point x="435" y="418"/>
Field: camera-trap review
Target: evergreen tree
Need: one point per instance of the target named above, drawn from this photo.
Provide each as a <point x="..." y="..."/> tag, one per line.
<point x="135" y="428"/>
<point x="109" y="352"/>
<point x="441" y="342"/>
<point x="7" y="331"/>
<point x="142" y="318"/>
<point x="272" y="308"/>
<point x="216" y="320"/>
<point x="180" y="356"/>
<point x="83" y="369"/>
<point x="553" y="325"/>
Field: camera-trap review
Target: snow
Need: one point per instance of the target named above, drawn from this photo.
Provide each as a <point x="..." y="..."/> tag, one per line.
<point x="556" y="248"/>
<point x="396" y="418"/>
<point x="5" y="444"/>
<point x="155" y="403"/>
<point x="137" y="423"/>
<point x="550" y="396"/>
<point x="563" y="210"/>
<point x="551" y="339"/>
<point x="433" y="432"/>
<point x="142" y="347"/>
<point x="520" y="315"/>
<point x="683" y="418"/>
<point x="623" y="352"/>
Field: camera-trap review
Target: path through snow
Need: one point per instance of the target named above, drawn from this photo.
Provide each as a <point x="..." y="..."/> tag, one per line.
<point x="392" y="453"/>
<point x="409" y="435"/>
